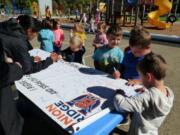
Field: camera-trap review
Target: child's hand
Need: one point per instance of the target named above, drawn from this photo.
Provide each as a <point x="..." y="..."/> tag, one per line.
<point x="37" y="59"/>
<point x="8" y="60"/>
<point x="121" y="92"/>
<point x="55" y="57"/>
<point x="57" y="42"/>
<point x="116" y="74"/>
<point x="132" y="82"/>
<point x="140" y="90"/>
<point x="97" y="45"/>
<point x="60" y="57"/>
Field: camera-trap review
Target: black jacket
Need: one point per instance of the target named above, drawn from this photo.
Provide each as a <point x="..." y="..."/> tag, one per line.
<point x="11" y="123"/>
<point x="16" y="46"/>
<point x="71" y="56"/>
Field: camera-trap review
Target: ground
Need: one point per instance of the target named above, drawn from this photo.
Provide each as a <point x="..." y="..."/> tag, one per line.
<point x="169" y="51"/>
<point x="174" y="30"/>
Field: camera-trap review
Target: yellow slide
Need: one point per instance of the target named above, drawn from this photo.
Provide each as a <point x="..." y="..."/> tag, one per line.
<point x="153" y="17"/>
<point x="102" y="7"/>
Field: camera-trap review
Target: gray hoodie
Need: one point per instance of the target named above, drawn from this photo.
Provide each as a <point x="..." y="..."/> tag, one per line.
<point x="149" y="110"/>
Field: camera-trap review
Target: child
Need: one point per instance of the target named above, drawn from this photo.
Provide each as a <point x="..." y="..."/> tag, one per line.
<point x="78" y="30"/>
<point x="98" y="16"/>
<point x="84" y="18"/>
<point x="58" y="36"/>
<point x="75" y="52"/>
<point x="48" y="13"/>
<point x="153" y="104"/>
<point x="46" y="36"/>
<point x="109" y="55"/>
<point x="91" y="25"/>
<point x="100" y="38"/>
<point x="140" y="45"/>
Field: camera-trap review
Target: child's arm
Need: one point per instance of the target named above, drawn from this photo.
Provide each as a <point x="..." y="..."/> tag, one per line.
<point x="116" y="74"/>
<point x="105" y="39"/>
<point x="96" y="57"/>
<point x="131" y="104"/>
<point x="97" y="45"/>
<point x="96" y="65"/>
<point x="62" y="37"/>
<point x="39" y="37"/>
<point x="71" y="34"/>
<point x="83" y="50"/>
<point x="95" y="41"/>
<point x="64" y="54"/>
<point x="36" y="59"/>
<point x="117" y="70"/>
<point x="132" y="82"/>
<point x="52" y="38"/>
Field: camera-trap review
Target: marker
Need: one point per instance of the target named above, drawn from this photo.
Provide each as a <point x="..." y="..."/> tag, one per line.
<point x="114" y="69"/>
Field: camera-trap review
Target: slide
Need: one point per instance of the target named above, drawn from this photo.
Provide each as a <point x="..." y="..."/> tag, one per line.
<point x="153" y="17"/>
<point x="102" y="7"/>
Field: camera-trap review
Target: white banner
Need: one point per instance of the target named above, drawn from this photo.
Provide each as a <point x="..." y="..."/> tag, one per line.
<point x="69" y="93"/>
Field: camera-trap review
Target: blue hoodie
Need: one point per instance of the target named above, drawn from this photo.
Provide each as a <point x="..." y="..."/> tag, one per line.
<point x="46" y="37"/>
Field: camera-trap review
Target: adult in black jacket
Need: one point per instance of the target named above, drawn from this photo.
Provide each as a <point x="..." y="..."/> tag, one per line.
<point x="15" y="35"/>
<point x="11" y="123"/>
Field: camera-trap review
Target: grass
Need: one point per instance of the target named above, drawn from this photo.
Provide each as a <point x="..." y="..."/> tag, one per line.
<point x="164" y="19"/>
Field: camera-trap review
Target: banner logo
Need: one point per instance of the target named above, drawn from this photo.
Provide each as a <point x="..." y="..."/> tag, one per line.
<point x="86" y="103"/>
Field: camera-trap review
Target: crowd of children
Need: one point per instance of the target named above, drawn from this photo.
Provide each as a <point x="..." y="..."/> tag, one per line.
<point x="51" y="39"/>
<point x="137" y="64"/>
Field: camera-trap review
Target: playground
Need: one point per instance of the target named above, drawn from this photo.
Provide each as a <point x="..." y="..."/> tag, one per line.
<point x="133" y="12"/>
<point x="157" y="16"/>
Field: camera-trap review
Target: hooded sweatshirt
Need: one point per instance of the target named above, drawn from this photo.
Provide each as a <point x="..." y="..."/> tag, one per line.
<point x="11" y="122"/>
<point x="149" y="110"/>
<point x="16" y="46"/>
<point x="46" y="37"/>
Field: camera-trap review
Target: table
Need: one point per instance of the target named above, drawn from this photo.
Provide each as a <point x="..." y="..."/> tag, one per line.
<point x="102" y="126"/>
<point x="78" y="98"/>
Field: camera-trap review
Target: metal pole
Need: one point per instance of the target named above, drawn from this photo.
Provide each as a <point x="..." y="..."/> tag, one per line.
<point x="97" y="3"/>
<point x="112" y="13"/>
<point x="176" y="7"/>
<point x="143" y="13"/>
<point x="132" y="12"/>
<point x="124" y="14"/>
<point x="107" y="11"/>
<point x="137" y="13"/>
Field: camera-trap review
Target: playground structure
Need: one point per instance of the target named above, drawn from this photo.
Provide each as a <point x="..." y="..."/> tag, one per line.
<point x="32" y="7"/>
<point x="19" y="6"/>
<point x="165" y="6"/>
<point x="124" y="12"/>
<point x="130" y="11"/>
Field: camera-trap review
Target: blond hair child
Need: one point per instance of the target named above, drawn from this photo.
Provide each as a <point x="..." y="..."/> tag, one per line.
<point x="75" y="51"/>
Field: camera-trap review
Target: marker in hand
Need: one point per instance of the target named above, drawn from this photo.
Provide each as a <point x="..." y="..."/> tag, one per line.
<point x="114" y="69"/>
<point x="116" y="73"/>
